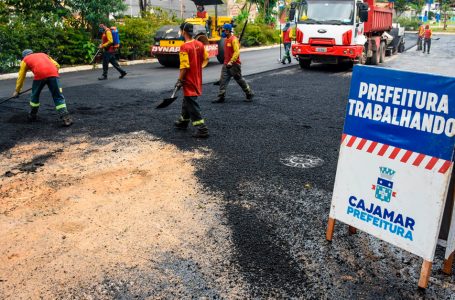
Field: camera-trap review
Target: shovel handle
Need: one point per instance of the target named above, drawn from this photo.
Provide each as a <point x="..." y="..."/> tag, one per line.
<point x="175" y="91"/>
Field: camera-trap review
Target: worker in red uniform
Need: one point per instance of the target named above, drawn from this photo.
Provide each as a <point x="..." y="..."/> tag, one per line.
<point x="427" y="39"/>
<point x="287" y="40"/>
<point x="45" y="71"/>
<point x="192" y="54"/>
<point x="201" y="13"/>
<point x="107" y="44"/>
<point x="420" y="33"/>
<point x="231" y="66"/>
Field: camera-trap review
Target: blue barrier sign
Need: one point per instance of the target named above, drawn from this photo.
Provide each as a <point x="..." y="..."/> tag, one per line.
<point x="396" y="156"/>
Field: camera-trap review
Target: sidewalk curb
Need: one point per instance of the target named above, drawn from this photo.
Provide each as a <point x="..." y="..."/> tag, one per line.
<point x="122" y="63"/>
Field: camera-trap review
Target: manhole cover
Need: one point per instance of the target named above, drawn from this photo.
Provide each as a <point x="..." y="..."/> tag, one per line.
<point x="302" y="161"/>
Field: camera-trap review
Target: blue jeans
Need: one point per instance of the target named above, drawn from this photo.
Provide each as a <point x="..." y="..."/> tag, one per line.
<point x="53" y="83"/>
<point x="287" y="54"/>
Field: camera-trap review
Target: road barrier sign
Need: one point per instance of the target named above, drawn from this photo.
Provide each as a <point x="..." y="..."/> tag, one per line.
<point x="395" y="159"/>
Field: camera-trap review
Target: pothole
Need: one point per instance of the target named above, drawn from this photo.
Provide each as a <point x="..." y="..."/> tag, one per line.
<point x="303" y="161"/>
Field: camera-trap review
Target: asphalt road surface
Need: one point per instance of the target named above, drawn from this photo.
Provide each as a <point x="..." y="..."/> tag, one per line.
<point x="275" y="205"/>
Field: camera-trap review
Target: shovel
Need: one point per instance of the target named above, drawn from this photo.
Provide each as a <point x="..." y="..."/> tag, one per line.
<point x="7" y="99"/>
<point x="166" y="102"/>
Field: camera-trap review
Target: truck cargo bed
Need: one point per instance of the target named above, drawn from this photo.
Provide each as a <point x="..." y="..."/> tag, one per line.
<point x="379" y="18"/>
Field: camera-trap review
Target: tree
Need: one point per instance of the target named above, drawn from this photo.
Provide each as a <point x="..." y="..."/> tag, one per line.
<point x="401" y="6"/>
<point x="94" y="12"/>
<point x="143" y="4"/>
<point x="446" y="7"/>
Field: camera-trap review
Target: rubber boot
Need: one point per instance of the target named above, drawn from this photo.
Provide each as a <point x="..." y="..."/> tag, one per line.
<point x="66" y="119"/>
<point x="181" y="124"/>
<point x="202" y="132"/>
<point x="220" y="99"/>
<point x="33" y="115"/>
<point x="249" y="96"/>
<point x="122" y="75"/>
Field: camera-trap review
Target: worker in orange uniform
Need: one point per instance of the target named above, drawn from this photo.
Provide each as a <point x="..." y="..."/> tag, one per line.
<point x="192" y="54"/>
<point x="107" y="44"/>
<point x="202" y="13"/>
<point x="420" y="33"/>
<point x="231" y="66"/>
<point x="45" y="71"/>
<point x="287" y="40"/>
<point x="427" y="39"/>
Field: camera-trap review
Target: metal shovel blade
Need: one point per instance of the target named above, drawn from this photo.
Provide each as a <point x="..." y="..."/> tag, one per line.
<point x="166" y="102"/>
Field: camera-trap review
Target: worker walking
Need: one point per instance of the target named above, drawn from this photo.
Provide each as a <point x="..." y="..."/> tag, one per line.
<point x="427" y="39"/>
<point x="231" y="67"/>
<point x="192" y="54"/>
<point x="45" y="71"/>
<point x="107" y="44"/>
<point x="420" y="33"/>
<point x="287" y="40"/>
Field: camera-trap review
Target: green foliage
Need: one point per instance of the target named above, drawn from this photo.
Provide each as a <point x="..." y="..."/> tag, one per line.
<point x="258" y="34"/>
<point x="136" y="35"/>
<point x="409" y="23"/>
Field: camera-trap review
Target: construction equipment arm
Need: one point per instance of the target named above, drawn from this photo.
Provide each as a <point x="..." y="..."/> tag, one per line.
<point x="21" y="77"/>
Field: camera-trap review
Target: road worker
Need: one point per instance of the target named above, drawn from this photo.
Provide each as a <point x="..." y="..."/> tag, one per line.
<point x="231" y="66"/>
<point x="420" y="33"/>
<point x="287" y="40"/>
<point x="427" y="39"/>
<point x="192" y="54"/>
<point x="202" y="13"/>
<point x="45" y="71"/>
<point x="107" y="44"/>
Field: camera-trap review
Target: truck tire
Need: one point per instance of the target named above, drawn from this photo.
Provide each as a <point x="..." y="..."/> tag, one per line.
<point x="382" y="49"/>
<point x="374" y="60"/>
<point x="220" y="55"/>
<point x="304" y="63"/>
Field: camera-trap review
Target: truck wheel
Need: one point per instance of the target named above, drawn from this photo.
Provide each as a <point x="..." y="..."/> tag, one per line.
<point x="401" y="47"/>
<point x="220" y="55"/>
<point x="375" y="58"/>
<point x="304" y="63"/>
<point x="363" y="57"/>
<point x="382" y="49"/>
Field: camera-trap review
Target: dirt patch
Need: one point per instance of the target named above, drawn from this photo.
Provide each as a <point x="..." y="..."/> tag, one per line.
<point x="83" y="214"/>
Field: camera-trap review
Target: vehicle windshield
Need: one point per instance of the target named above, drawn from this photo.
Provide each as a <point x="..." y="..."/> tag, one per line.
<point x="334" y="12"/>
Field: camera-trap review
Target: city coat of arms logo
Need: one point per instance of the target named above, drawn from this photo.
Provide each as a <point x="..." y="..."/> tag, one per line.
<point x="384" y="188"/>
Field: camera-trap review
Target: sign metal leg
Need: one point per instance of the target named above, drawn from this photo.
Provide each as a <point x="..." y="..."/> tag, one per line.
<point x="448" y="263"/>
<point x="352" y="230"/>
<point x="330" y="228"/>
<point x="425" y="274"/>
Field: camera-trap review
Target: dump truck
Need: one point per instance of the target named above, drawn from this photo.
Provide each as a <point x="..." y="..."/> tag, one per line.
<point x="167" y="40"/>
<point x="353" y="31"/>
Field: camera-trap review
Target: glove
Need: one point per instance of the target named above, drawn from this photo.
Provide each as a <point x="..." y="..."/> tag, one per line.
<point x="179" y="84"/>
<point x="229" y="65"/>
<point x="16" y="95"/>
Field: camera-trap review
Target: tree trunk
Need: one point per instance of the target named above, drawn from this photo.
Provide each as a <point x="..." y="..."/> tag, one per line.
<point x="143" y="5"/>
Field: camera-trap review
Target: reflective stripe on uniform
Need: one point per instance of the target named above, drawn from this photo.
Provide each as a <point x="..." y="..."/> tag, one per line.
<point x="32" y="104"/>
<point x="60" y="106"/>
<point x="199" y="122"/>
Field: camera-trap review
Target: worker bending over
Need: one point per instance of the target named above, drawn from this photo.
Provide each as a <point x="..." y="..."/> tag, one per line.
<point x="231" y="66"/>
<point x="45" y="71"/>
<point x="192" y="54"/>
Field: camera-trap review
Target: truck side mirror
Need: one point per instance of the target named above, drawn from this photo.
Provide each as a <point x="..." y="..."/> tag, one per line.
<point x="363" y="11"/>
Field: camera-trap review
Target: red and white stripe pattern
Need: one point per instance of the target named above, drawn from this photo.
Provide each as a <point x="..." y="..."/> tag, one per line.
<point x="395" y="153"/>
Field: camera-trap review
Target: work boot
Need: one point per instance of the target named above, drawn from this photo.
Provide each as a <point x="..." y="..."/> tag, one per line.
<point x="181" y="124"/>
<point x="219" y="100"/>
<point x="283" y="62"/>
<point x="216" y="82"/>
<point x="202" y="132"/>
<point x="102" y="77"/>
<point x="249" y="96"/>
<point x="32" y="117"/>
<point x="122" y="75"/>
<point x="66" y="119"/>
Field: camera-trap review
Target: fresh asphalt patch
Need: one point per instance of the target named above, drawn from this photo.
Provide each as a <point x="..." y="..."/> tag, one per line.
<point x="277" y="214"/>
